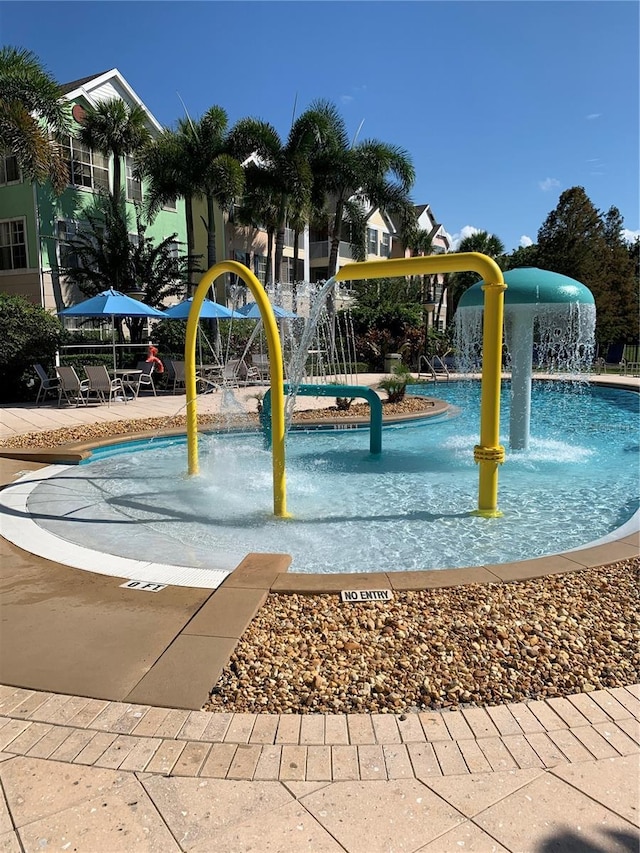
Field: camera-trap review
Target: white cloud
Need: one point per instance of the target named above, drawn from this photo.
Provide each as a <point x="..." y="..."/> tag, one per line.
<point x="457" y="238"/>
<point x="526" y="241"/>
<point x="356" y="93"/>
<point x="630" y="236"/>
<point x="549" y="184"/>
<point x="593" y="116"/>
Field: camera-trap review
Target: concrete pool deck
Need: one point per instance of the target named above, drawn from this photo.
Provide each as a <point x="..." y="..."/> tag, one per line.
<point x="103" y="748"/>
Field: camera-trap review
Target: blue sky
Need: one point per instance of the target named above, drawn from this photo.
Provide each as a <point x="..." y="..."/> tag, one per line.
<point x="501" y="105"/>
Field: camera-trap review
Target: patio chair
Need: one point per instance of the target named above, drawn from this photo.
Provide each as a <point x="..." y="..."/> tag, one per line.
<point x="179" y="378"/>
<point x="230" y="373"/>
<point x="145" y="379"/>
<point x="260" y="363"/>
<point x="48" y="384"/>
<point x="236" y="372"/>
<point x="101" y="384"/>
<point x="71" y="386"/>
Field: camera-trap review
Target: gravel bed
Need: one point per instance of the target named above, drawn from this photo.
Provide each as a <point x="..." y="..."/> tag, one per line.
<point x="481" y="644"/>
<point x="113" y="429"/>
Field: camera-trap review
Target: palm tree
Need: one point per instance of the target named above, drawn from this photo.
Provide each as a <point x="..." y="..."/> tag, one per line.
<point x="351" y="177"/>
<point x="114" y="128"/>
<point x="194" y="161"/>
<point x="484" y="242"/>
<point x="259" y="208"/>
<point x="282" y="170"/>
<point x="480" y="241"/>
<point x="32" y="115"/>
<point x="163" y="162"/>
<point x="419" y="242"/>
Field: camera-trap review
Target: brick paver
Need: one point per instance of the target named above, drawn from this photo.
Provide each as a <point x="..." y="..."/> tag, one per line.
<point x="396" y="757"/>
<point x="244" y="761"/>
<point x="219" y="760"/>
<point x="319" y="763"/>
<point x="316" y="747"/>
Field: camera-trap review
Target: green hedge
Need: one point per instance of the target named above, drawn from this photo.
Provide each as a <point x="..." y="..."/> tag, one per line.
<point x="28" y="335"/>
<point x="91" y="359"/>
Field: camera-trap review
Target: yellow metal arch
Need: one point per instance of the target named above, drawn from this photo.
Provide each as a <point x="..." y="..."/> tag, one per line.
<point x="489" y="453"/>
<point x="275" y="367"/>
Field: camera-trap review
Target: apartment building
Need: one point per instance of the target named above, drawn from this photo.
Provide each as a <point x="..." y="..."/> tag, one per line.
<point x="35" y="223"/>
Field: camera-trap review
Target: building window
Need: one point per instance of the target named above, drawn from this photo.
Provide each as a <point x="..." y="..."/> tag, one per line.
<point x="372" y="241"/>
<point x="9" y="170"/>
<point x="67" y="258"/>
<point x="134" y="186"/>
<point x="70" y="229"/>
<point x="385" y="245"/>
<point x="260" y="267"/>
<point x="170" y="205"/>
<point x="87" y="168"/>
<point x="13" y="245"/>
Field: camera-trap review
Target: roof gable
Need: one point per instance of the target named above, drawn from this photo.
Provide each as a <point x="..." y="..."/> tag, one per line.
<point x="104" y="86"/>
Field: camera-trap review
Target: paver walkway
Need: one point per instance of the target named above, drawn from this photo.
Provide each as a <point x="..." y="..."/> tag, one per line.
<point x="87" y="775"/>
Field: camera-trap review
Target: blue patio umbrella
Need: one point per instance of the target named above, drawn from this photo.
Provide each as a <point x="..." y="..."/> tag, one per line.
<point x="251" y="312"/>
<point x="209" y="310"/>
<point x="111" y="303"/>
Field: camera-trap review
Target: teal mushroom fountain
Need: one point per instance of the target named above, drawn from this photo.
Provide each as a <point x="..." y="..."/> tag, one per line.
<point x="544" y="312"/>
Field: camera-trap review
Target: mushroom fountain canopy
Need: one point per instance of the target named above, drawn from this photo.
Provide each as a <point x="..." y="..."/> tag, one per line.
<point x="549" y="323"/>
<point x="562" y="309"/>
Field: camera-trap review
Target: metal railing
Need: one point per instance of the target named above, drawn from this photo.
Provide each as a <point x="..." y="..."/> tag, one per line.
<point x="91" y="348"/>
<point x="435" y="367"/>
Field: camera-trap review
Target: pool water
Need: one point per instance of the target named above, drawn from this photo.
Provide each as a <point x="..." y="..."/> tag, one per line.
<point x="406" y="509"/>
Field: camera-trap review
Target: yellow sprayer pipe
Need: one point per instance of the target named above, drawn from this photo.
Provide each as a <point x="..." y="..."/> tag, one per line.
<point x="275" y="367"/>
<point x="489" y="453"/>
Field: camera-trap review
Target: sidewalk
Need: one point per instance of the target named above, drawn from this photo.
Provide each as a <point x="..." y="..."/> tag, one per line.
<point x="84" y="775"/>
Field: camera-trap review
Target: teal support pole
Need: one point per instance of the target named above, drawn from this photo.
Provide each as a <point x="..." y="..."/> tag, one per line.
<point x="375" y="408"/>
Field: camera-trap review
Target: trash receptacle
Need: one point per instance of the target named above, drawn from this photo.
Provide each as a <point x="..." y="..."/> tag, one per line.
<point x="391" y="361"/>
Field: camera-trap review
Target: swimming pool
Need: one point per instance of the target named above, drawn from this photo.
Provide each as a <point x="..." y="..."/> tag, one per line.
<point x="406" y="509"/>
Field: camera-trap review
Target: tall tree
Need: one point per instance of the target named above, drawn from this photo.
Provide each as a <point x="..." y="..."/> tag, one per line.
<point x="620" y="322"/>
<point x="115" y="129"/>
<point x="32" y="115"/>
<point x="577" y="240"/>
<point x="194" y="161"/>
<point x="163" y="162"/>
<point x="259" y="207"/>
<point x="282" y="169"/>
<point x="571" y="239"/>
<point x="352" y="177"/>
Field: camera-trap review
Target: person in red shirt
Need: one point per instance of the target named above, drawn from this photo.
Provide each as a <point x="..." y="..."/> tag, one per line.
<point x="152" y="355"/>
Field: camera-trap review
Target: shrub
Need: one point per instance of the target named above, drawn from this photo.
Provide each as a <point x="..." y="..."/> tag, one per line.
<point x="28" y="334"/>
<point x="396" y="386"/>
<point x="91" y="359"/>
<point x="169" y="337"/>
<point x="343" y="404"/>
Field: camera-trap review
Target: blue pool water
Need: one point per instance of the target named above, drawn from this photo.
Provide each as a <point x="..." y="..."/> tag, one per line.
<point x="407" y="509"/>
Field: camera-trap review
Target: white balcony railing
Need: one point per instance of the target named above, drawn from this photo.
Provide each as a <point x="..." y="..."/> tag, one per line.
<point x="320" y="251"/>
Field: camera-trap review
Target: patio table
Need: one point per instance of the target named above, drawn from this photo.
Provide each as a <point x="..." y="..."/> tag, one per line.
<point x="130" y="378"/>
